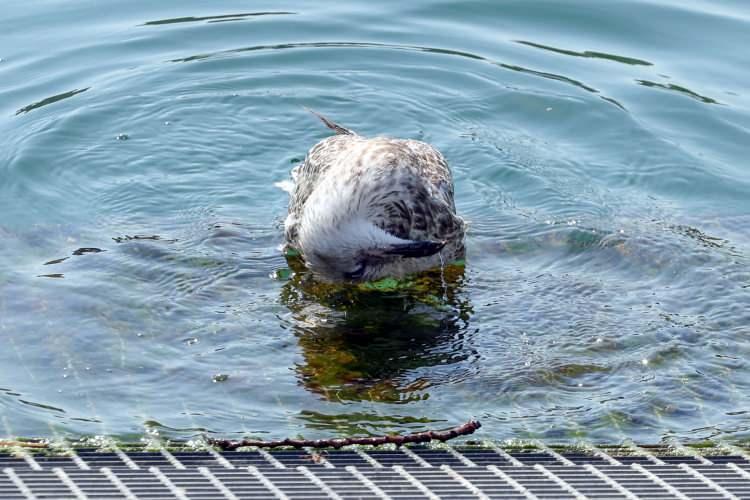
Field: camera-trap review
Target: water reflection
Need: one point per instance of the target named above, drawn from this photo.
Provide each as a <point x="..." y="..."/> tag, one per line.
<point x="50" y="100"/>
<point x="680" y="89"/>
<point x="388" y="342"/>
<point x="588" y="54"/>
<point x="365" y="423"/>
<point x="214" y="19"/>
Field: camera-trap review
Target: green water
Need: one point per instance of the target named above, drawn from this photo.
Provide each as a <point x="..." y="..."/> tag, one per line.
<point x="600" y="152"/>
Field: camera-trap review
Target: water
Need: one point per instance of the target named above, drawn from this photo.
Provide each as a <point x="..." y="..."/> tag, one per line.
<point x="600" y="155"/>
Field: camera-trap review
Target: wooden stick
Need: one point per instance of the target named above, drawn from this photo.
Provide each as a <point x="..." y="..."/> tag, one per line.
<point x="419" y="437"/>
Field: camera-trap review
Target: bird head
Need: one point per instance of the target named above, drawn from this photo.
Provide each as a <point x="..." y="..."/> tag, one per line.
<point x="356" y="250"/>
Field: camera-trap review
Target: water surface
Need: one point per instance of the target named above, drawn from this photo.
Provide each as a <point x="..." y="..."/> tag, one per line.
<point x="599" y="151"/>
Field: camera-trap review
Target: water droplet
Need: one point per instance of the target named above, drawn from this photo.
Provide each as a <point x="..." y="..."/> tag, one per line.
<point x="220" y="377"/>
<point x="122" y="137"/>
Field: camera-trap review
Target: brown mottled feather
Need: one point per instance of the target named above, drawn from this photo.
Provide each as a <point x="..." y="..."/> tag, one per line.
<point x="403" y="186"/>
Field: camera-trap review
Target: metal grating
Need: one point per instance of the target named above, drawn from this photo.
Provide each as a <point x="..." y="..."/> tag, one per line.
<point x="414" y="472"/>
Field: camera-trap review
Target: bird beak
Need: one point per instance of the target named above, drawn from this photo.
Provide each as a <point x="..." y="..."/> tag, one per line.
<point x="415" y="248"/>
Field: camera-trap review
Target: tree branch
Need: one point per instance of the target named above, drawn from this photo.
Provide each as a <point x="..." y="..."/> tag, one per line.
<point x="419" y="437"/>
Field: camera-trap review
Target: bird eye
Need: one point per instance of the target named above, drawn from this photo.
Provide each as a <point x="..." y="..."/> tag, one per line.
<point x="357" y="274"/>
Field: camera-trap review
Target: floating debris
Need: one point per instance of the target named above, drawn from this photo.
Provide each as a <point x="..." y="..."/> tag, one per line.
<point x="153" y="237"/>
<point x="419" y="437"/>
<point x="56" y="261"/>
<point x="82" y="251"/>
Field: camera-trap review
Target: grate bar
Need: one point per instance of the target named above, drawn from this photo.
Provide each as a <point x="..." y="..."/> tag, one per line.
<point x="611" y="482"/>
<point x="319" y="482"/>
<point x="512" y="482"/>
<point x="174" y="462"/>
<point x="415" y="482"/>
<point x="216" y="482"/>
<point x="684" y="450"/>
<point x="707" y="481"/>
<point x="221" y="460"/>
<point x="736" y="450"/>
<point x="421" y="461"/>
<point x="656" y="479"/>
<point x="650" y="456"/>
<point x="81" y="463"/>
<point x="122" y="487"/>
<point x="507" y="456"/>
<point x="598" y="452"/>
<point x="549" y="451"/>
<point x="126" y="459"/>
<point x="271" y="459"/>
<point x="18" y="483"/>
<point x="267" y="482"/>
<point x="481" y="495"/>
<point x="368" y="458"/>
<point x="29" y="459"/>
<point x="67" y="481"/>
<point x="464" y="460"/>
<point x="561" y="482"/>
<point x="420" y="471"/>
<point x="366" y="481"/>
<point x="739" y="470"/>
<point x="178" y="492"/>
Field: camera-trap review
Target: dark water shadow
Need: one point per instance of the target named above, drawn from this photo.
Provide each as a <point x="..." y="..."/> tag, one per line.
<point x="391" y="346"/>
<point x="218" y="18"/>
<point x="50" y="100"/>
<point x="588" y="54"/>
<point x="679" y="89"/>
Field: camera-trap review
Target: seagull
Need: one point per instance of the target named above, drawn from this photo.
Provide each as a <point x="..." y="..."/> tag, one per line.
<point x="362" y="209"/>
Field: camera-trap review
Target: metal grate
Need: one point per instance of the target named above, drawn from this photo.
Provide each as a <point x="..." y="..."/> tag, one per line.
<point x="415" y="472"/>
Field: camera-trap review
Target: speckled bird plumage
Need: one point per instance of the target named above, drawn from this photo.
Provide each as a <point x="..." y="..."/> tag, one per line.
<point x="363" y="209"/>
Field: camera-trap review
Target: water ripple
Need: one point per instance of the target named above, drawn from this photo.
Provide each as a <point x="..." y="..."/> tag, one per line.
<point x="371" y="45"/>
<point x="589" y="54"/>
<point x="50" y="100"/>
<point x="606" y="291"/>
<point x="216" y="18"/>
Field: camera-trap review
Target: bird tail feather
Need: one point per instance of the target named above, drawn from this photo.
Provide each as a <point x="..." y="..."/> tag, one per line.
<point x="332" y="125"/>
